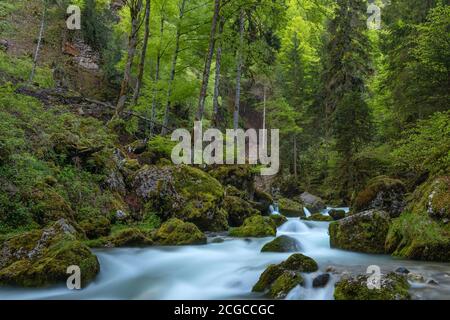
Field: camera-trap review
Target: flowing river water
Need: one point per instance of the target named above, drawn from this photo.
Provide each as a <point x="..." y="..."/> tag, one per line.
<point x="229" y="269"/>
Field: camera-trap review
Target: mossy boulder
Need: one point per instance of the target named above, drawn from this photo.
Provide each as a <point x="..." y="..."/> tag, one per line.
<point x="176" y="232"/>
<point x="362" y="232"/>
<point x="238" y="210"/>
<point x="256" y="226"/>
<point x="49" y="206"/>
<point x="319" y="217"/>
<point x="421" y="232"/>
<point x="41" y="257"/>
<point x="381" y="193"/>
<point x="183" y="192"/>
<point x="279" y="219"/>
<point x="157" y="148"/>
<point x="287" y="281"/>
<point x="96" y="227"/>
<point x="392" y="287"/>
<point x="312" y="202"/>
<point x="301" y="263"/>
<point x="290" y="207"/>
<point x="337" y="214"/>
<point x="282" y="244"/>
<point x="263" y="201"/>
<point x="279" y="279"/>
<point x="240" y="176"/>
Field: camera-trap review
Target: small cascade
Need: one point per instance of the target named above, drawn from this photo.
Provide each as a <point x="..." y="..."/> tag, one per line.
<point x="294" y="226"/>
<point x="273" y="208"/>
<point x="306" y="211"/>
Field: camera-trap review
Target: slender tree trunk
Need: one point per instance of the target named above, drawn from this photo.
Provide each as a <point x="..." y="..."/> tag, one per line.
<point x="173" y="70"/>
<point x="295" y="156"/>
<point x="264" y="116"/>
<point x="135" y="9"/>
<point x="157" y="72"/>
<point x="239" y="71"/>
<point x="137" y="89"/>
<point x="208" y="61"/>
<point x="216" y="119"/>
<point x="38" y="46"/>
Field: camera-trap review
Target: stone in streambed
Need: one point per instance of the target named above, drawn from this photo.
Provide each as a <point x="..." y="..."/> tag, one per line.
<point x="282" y="244"/>
<point x="238" y="210"/>
<point x="256" y="226"/>
<point x="336" y="214"/>
<point x="301" y="263"/>
<point x="319" y="217"/>
<point x="176" y="232"/>
<point x="402" y="270"/>
<point x="279" y="219"/>
<point x="290" y="207"/>
<point x="312" y="202"/>
<point x="321" y="280"/>
<point x="392" y="287"/>
<point x="287" y="281"/>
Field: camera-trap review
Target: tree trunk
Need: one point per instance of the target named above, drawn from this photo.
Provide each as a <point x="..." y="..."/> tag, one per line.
<point x="239" y="71"/>
<point x="208" y="61"/>
<point x="137" y="89"/>
<point x="157" y="71"/>
<point x="38" y="46"/>
<point x="216" y="119"/>
<point x="295" y="156"/>
<point x="135" y="9"/>
<point x="173" y="70"/>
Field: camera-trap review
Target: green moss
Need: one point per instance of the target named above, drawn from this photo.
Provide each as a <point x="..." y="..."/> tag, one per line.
<point x="301" y="263"/>
<point x="176" y="232"/>
<point x="128" y="237"/>
<point x="393" y="287"/>
<point x="282" y="244"/>
<point x="278" y="219"/>
<point x="256" y="226"/>
<point x="362" y="232"/>
<point x="240" y="176"/>
<point x="157" y="148"/>
<point x="290" y="207"/>
<point x="269" y="275"/>
<point x="287" y="281"/>
<point x="238" y="210"/>
<point x="96" y="227"/>
<point x="319" y="217"/>
<point x="421" y="233"/>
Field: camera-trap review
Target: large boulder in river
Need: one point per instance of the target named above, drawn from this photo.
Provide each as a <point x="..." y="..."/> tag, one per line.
<point x="362" y="232"/>
<point x="176" y="232"/>
<point x="290" y="208"/>
<point x="282" y="244"/>
<point x="41" y="257"/>
<point x="279" y="219"/>
<point x="279" y="279"/>
<point x="319" y="217"/>
<point x="337" y="214"/>
<point x="240" y="176"/>
<point x="422" y="232"/>
<point x="312" y="202"/>
<point x="256" y="226"/>
<point x="183" y="192"/>
<point x="382" y="193"/>
<point x="238" y="210"/>
<point x="392" y="287"/>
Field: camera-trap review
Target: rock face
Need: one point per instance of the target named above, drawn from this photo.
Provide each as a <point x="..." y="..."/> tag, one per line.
<point x="392" y="287"/>
<point x="362" y="232"/>
<point x="176" y="232"/>
<point x="256" y="226"/>
<point x="290" y="207"/>
<point x="183" y="192"/>
<point x="41" y="257"/>
<point x="337" y="214"/>
<point x="382" y="193"/>
<point x="279" y="279"/>
<point x="422" y="231"/>
<point x="312" y="202"/>
<point x="238" y="210"/>
<point x="282" y="244"/>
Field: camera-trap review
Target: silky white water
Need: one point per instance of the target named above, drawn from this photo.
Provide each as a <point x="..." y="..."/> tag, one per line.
<point x="228" y="270"/>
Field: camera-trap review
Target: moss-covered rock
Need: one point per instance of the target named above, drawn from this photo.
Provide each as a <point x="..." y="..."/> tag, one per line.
<point x="301" y="263"/>
<point x="176" y="232"/>
<point x="282" y="244"/>
<point x="183" y="192"/>
<point x="41" y="257"/>
<point x="287" y="281"/>
<point x="263" y="201"/>
<point x="382" y="193"/>
<point x="240" y="176"/>
<point x="279" y="219"/>
<point x="362" y="232"/>
<point x="256" y="226"/>
<point x="279" y="279"/>
<point x="238" y="210"/>
<point x="422" y="231"/>
<point x="96" y="227"/>
<point x="290" y="207"/>
<point x="49" y="206"/>
<point x="319" y="217"/>
<point x="312" y="202"/>
<point x="127" y="237"/>
<point x="337" y="214"/>
<point x="392" y="287"/>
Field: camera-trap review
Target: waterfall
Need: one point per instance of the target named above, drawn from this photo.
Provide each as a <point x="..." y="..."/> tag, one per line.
<point x="274" y="209"/>
<point x="306" y="211"/>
